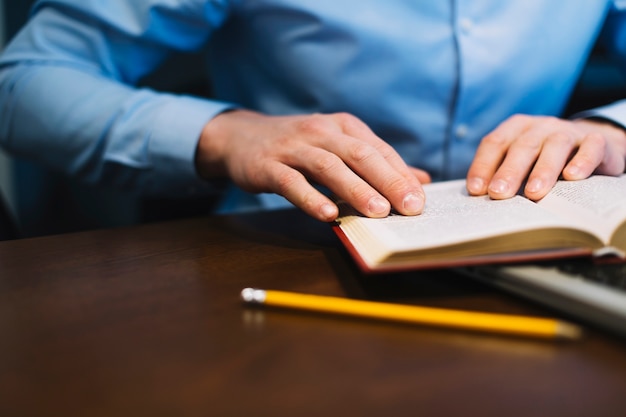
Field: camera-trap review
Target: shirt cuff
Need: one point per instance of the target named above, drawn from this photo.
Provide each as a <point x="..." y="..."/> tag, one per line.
<point x="174" y="140"/>
<point x="615" y="113"/>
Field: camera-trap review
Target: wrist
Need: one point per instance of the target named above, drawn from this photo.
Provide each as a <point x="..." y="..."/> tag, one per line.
<point x="605" y="126"/>
<point x="209" y="159"/>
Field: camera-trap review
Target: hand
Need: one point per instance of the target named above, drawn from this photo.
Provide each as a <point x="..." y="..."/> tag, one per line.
<point x="542" y="149"/>
<point x="281" y="154"/>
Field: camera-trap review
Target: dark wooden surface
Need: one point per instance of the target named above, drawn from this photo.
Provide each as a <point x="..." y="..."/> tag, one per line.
<point x="146" y="321"/>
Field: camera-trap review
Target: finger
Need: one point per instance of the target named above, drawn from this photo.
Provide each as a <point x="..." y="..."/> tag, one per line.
<point x="390" y="177"/>
<point x="491" y="153"/>
<point x="555" y="152"/>
<point x="317" y="158"/>
<point x="292" y="185"/>
<point x="325" y="168"/>
<point x="330" y="170"/>
<point x="614" y="162"/>
<point x="356" y="128"/>
<point x="379" y="164"/>
<point x="519" y="160"/>
<point x="422" y="176"/>
<point x="590" y="155"/>
<point x="369" y="174"/>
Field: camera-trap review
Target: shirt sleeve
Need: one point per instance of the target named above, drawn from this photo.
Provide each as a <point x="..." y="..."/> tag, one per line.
<point x="68" y="97"/>
<point x="614" y="112"/>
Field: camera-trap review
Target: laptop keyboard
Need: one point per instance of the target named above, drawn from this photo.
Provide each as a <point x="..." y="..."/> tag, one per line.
<point x="611" y="274"/>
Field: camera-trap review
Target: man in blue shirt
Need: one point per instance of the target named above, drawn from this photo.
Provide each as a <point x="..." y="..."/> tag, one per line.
<point x="367" y="98"/>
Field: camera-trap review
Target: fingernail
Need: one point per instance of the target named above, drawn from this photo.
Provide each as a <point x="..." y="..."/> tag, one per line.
<point x="534" y="185"/>
<point x="413" y="203"/>
<point x="328" y="211"/>
<point x="573" y="171"/>
<point x="499" y="187"/>
<point x="378" y="205"/>
<point x="475" y="185"/>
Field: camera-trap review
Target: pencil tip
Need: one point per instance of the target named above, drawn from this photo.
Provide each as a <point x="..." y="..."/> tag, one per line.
<point x="253" y="295"/>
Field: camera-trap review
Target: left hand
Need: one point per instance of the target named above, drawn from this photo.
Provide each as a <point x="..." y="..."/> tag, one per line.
<point x="541" y="149"/>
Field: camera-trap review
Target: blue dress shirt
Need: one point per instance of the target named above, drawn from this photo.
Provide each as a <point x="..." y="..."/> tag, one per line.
<point x="430" y="77"/>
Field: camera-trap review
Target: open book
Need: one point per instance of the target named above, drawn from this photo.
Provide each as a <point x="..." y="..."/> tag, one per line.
<point x="577" y="218"/>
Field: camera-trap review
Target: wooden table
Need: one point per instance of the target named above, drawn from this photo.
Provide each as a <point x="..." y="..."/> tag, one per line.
<point x="147" y="321"/>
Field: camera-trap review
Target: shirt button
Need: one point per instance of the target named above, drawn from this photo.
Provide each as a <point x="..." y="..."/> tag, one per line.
<point x="466" y="25"/>
<point x="461" y="131"/>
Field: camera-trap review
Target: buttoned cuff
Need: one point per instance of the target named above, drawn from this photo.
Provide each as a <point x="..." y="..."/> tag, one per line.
<point x="173" y="144"/>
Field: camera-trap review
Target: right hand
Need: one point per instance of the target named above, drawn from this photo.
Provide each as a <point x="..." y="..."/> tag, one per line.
<point x="281" y="154"/>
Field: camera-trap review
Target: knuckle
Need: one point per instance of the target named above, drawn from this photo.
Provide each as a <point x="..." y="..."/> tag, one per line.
<point x="385" y="149"/>
<point x="495" y="139"/>
<point x="562" y="138"/>
<point x="597" y="140"/>
<point x="286" y="181"/>
<point x="325" y="163"/>
<point x="350" y="124"/>
<point x="359" y="192"/>
<point x="394" y="184"/>
<point x="530" y="143"/>
<point x="480" y="167"/>
<point x="519" y="118"/>
<point x="315" y="124"/>
<point x="362" y="152"/>
<point x="507" y="173"/>
<point x="584" y="160"/>
<point x="346" y="119"/>
<point x="551" y="120"/>
<point x="309" y="202"/>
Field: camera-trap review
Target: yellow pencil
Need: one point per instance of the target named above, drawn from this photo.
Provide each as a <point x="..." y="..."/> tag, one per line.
<point x="486" y="322"/>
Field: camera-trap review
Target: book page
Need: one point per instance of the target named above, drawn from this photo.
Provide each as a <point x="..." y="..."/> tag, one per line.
<point x="597" y="204"/>
<point x="451" y="215"/>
